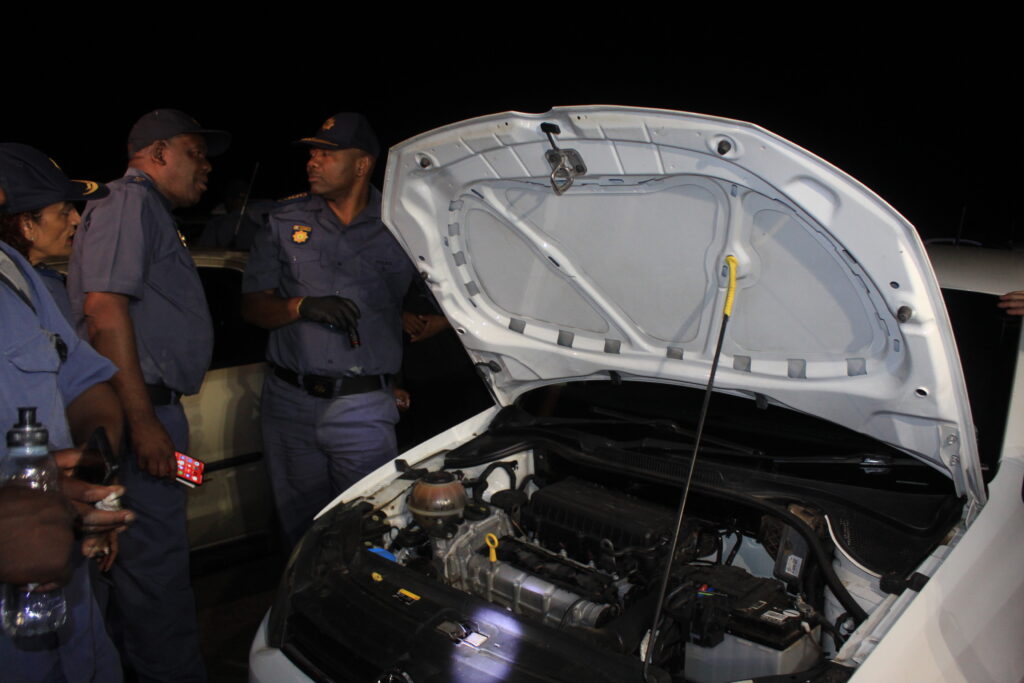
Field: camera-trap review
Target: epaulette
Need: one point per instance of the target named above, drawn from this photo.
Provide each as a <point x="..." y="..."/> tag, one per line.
<point x="142" y="180"/>
<point x="292" y="198"/>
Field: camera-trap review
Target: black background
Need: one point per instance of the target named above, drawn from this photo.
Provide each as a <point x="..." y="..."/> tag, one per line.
<point x="934" y="131"/>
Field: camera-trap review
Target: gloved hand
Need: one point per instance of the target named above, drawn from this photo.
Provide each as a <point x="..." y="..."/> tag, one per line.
<point x="331" y="310"/>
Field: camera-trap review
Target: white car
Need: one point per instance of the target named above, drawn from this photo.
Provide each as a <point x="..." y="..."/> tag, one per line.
<point x="842" y="522"/>
<point x="234" y="503"/>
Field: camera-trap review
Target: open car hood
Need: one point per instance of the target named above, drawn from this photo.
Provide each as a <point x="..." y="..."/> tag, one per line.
<point x="837" y="311"/>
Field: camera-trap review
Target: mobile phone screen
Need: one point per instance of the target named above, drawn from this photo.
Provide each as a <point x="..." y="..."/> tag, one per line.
<point x="190" y="470"/>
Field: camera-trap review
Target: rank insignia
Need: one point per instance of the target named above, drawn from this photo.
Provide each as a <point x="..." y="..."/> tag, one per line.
<point x="300" y="233"/>
<point x="328" y="124"/>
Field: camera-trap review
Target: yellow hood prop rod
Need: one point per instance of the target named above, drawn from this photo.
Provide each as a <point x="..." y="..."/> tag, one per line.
<point x="730" y="295"/>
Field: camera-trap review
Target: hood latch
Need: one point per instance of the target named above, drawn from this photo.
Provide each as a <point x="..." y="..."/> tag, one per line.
<point x="565" y="164"/>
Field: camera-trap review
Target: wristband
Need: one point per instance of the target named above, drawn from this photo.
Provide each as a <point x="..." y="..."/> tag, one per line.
<point x="298" y="304"/>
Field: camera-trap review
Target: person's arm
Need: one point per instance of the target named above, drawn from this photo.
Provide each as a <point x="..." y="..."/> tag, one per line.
<point x="111" y="333"/>
<point x="270" y="311"/>
<point x="97" y="406"/>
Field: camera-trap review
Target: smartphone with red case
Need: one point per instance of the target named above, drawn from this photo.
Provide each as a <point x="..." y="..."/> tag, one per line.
<point x="190" y="470"/>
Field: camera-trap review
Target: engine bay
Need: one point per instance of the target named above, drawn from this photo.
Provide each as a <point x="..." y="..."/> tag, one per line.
<point x="747" y="597"/>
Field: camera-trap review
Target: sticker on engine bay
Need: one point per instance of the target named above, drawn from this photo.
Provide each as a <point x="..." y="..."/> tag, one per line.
<point x="793" y="564"/>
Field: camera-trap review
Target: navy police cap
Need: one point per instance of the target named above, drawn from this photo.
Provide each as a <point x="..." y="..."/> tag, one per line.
<point x="164" y="124"/>
<point x="344" y="130"/>
<point x="31" y="180"/>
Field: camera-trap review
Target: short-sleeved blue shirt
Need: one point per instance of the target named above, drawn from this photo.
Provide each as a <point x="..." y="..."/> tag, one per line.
<point x="306" y="251"/>
<point x="128" y="243"/>
<point x="56" y="285"/>
<point x="31" y="372"/>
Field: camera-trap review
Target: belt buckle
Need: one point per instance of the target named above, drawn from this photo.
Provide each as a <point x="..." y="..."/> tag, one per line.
<point x="318" y="385"/>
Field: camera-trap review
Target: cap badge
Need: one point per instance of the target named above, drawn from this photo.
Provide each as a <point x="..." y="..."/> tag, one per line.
<point x="300" y="234"/>
<point x="328" y="124"/>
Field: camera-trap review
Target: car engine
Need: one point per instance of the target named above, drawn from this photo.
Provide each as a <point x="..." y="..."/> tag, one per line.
<point x="586" y="559"/>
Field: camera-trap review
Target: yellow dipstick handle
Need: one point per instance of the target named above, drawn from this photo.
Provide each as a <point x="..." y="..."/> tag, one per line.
<point x="492" y="543"/>
<point x="731" y="262"/>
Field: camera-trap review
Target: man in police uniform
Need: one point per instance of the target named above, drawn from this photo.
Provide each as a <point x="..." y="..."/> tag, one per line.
<point x="44" y="364"/>
<point x="328" y="279"/>
<point x="137" y="296"/>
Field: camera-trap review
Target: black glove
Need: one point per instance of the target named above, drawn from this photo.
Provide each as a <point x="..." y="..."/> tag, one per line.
<point x="335" y="311"/>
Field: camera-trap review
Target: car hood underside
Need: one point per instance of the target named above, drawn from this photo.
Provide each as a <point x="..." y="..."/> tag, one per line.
<point x="591" y="241"/>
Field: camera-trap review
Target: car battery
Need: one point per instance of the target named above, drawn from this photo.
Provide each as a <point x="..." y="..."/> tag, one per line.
<point x="738" y="625"/>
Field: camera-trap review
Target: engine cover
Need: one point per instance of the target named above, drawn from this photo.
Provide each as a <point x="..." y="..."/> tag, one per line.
<point x="574" y="516"/>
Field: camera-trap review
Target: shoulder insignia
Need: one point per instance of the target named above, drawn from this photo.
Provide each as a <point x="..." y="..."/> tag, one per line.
<point x="181" y="236"/>
<point x="300" y="233"/>
<point x="291" y="198"/>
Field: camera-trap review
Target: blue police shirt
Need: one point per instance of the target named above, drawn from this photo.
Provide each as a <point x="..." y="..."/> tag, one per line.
<point x="32" y="374"/>
<point x="128" y="243"/>
<point x="56" y="285"/>
<point x="306" y="251"/>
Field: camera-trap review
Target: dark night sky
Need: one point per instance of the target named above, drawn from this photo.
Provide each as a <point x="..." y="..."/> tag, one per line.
<point x="930" y="135"/>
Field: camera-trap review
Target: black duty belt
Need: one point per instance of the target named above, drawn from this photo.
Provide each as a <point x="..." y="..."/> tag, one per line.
<point x="331" y="387"/>
<point x="159" y="395"/>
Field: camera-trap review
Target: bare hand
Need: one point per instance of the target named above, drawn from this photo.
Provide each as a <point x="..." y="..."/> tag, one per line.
<point x="412" y="324"/>
<point x="103" y="548"/>
<point x="83" y="497"/>
<point x="1012" y="302"/>
<point x="154" y="449"/>
<point x="428" y="326"/>
<point x="35" y="537"/>
<point x="402" y="399"/>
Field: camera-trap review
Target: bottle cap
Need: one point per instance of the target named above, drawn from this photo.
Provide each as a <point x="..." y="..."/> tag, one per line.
<point x="27" y="432"/>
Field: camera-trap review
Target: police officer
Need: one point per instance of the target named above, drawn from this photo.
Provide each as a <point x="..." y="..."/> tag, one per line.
<point x="137" y="296"/>
<point x="44" y="364"/>
<point x="327" y="278"/>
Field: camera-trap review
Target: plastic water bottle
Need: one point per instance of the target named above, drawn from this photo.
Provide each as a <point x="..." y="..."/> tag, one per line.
<point x="29" y="463"/>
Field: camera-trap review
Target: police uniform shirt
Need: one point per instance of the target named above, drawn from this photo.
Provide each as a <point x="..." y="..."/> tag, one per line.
<point x="33" y="374"/>
<point x="56" y="285"/>
<point x="305" y="251"/>
<point x="128" y="244"/>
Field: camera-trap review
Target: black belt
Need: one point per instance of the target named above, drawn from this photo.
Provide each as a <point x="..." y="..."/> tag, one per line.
<point x="159" y="395"/>
<point x="331" y="387"/>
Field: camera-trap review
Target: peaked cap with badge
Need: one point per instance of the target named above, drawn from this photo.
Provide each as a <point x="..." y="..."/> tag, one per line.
<point x="31" y="180"/>
<point x="344" y="130"/>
